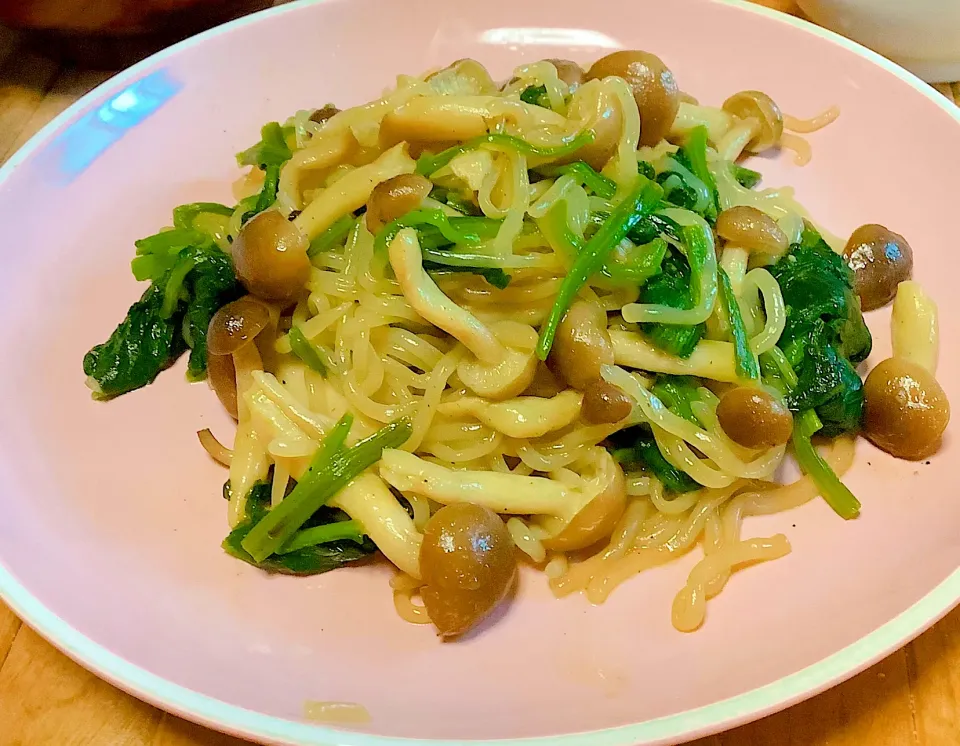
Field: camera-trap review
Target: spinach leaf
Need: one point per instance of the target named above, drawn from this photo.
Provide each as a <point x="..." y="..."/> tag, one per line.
<point x="825" y="335"/>
<point x="677" y="393"/>
<point x="672" y="288"/>
<point x="210" y="285"/>
<point x="144" y="344"/>
<point x="311" y="560"/>
<point x="272" y="150"/>
<point x="636" y="446"/>
<point x="172" y="315"/>
<point x="536" y="95"/>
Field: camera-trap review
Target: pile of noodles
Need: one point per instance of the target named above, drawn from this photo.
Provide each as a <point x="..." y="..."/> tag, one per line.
<point x="366" y="312"/>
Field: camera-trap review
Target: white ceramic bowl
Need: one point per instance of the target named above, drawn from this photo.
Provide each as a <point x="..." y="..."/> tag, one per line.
<point x="112" y="519"/>
<point x="921" y="35"/>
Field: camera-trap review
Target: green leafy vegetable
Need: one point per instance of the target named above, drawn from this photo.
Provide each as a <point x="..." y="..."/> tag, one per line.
<point x="637" y="265"/>
<point x="312" y="356"/>
<point x="332" y="236"/>
<point x="837" y="495"/>
<point x="536" y="95"/>
<point x="329" y="532"/>
<point x="494" y="275"/>
<point x="638" y="203"/>
<point x="747" y="365"/>
<point x="746" y="177"/>
<point x="825" y="335"/>
<point x="586" y="175"/>
<point x="636" y="446"/>
<point x="694" y="152"/>
<point x="332" y="468"/>
<point x="272" y="150"/>
<point x="302" y="555"/>
<point x="447" y="231"/>
<point x="672" y="288"/>
<point x="427" y="164"/>
<point x="185" y="216"/>
<point x="677" y="394"/>
<point x="647" y="169"/>
<point x="144" y="344"/>
<point x="778" y="373"/>
<point x="172" y="315"/>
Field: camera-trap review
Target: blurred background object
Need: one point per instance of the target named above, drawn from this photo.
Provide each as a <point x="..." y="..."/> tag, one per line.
<point x="921" y="35"/>
<point x="115" y="33"/>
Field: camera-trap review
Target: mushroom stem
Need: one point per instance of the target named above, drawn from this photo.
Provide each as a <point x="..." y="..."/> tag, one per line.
<point x="429" y="301"/>
<point x="353" y="190"/>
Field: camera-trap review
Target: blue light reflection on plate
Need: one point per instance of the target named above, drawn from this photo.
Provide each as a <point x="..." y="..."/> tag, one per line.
<point x="89" y="137"/>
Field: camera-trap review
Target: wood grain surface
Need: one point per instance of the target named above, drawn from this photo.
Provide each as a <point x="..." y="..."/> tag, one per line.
<point x="911" y="698"/>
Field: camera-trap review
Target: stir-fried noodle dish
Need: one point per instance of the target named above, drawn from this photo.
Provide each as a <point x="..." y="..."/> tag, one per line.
<point x="554" y="321"/>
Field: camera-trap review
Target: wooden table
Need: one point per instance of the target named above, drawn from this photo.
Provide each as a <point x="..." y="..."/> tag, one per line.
<point x="912" y="697"/>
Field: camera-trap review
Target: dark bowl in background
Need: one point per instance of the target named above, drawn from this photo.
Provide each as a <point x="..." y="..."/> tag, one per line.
<point x="115" y="33"/>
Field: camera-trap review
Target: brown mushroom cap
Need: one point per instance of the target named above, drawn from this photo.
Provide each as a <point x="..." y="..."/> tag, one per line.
<point x="760" y="106"/>
<point x="653" y="85"/>
<point x="880" y="260"/>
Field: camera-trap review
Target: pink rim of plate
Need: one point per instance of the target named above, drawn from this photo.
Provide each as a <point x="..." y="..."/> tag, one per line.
<point x="683" y="726"/>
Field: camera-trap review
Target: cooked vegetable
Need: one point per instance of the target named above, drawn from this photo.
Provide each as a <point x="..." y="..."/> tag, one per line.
<point x="436" y="230"/>
<point x="905" y="409"/>
<point x="759" y="106"/>
<point x="780" y="375"/>
<point x="568" y="71"/>
<point x="677" y="393"/>
<point x="331" y="541"/>
<point x="154" y="333"/>
<point x="672" y="288"/>
<point x="270" y="255"/>
<point x="314" y="357"/>
<point x="694" y="153"/>
<point x="636" y="446"/>
<point x="836" y="494"/>
<point x="222" y="377"/>
<point x="653" y="87"/>
<point x="581" y="345"/>
<point x="625" y="216"/>
<point x="604" y="402"/>
<point x="394" y="198"/>
<point x="272" y="150"/>
<point x="880" y="260"/>
<point x="332" y="236"/>
<point x="595" y="182"/>
<point x="825" y="335"/>
<point x="754" y="418"/>
<point x="752" y="229"/>
<point x="746" y="177"/>
<point x="428" y="164"/>
<point x="747" y="365"/>
<point x="468" y="562"/>
<point x="536" y="95"/>
<point x="236" y="325"/>
<point x="332" y="468"/>
<point x="597" y="519"/>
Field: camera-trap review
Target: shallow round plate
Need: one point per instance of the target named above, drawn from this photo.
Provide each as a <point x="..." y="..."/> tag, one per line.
<point x="112" y="516"/>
